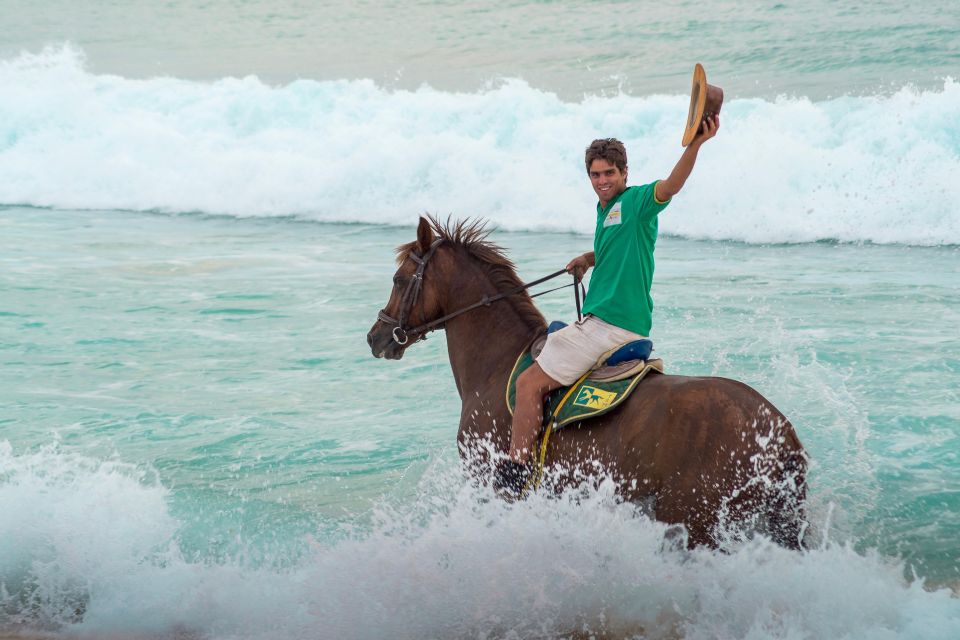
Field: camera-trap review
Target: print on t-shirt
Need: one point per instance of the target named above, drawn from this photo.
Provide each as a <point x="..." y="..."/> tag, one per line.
<point x="613" y="217"/>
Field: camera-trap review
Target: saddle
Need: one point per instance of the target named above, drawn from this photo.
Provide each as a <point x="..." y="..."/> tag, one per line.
<point x="600" y="390"/>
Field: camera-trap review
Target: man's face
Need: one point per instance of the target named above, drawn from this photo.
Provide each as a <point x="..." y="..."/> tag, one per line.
<point x="607" y="180"/>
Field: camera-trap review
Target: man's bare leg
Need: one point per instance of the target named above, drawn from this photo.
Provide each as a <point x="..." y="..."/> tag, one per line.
<point x="512" y="475"/>
<point x="532" y="385"/>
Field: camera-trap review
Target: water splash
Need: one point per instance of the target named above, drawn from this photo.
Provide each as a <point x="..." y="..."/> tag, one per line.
<point x="94" y="544"/>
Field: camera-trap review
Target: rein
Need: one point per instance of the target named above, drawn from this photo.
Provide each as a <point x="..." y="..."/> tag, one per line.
<point x="412" y="293"/>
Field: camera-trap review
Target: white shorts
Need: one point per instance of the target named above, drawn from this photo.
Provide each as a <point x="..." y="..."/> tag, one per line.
<point x="573" y="350"/>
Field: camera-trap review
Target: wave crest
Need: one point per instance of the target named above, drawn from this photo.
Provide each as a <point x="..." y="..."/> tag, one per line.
<point x="853" y="169"/>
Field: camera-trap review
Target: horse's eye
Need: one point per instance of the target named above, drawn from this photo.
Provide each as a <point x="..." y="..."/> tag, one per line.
<point x="397" y="279"/>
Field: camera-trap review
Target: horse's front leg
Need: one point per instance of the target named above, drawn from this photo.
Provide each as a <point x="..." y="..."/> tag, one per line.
<point x="484" y="434"/>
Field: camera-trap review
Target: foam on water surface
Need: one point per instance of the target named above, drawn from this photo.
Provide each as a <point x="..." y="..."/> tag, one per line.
<point x="858" y="169"/>
<point x="90" y="547"/>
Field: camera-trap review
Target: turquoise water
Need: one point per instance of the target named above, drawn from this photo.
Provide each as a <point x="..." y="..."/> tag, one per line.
<point x="195" y="439"/>
<point x="202" y="387"/>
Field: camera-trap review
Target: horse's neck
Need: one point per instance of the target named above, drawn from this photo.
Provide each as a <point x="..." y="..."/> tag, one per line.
<point x="484" y="343"/>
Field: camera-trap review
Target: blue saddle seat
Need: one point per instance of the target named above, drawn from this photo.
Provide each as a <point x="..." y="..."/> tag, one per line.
<point x="556" y="325"/>
<point x="636" y="350"/>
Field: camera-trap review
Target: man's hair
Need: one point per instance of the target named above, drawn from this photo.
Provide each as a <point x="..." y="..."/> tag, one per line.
<point x="609" y="149"/>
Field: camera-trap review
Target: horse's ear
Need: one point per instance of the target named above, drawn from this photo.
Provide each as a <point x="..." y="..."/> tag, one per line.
<point x="424" y="236"/>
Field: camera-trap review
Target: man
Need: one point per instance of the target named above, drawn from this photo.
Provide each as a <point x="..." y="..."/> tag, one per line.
<point x="618" y="307"/>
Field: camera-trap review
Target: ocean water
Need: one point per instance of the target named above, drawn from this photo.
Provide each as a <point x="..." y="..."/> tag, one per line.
<point x="199" y="204"/>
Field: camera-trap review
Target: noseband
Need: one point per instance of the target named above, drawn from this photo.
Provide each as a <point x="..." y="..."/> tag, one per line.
<point x="401" y="333"/>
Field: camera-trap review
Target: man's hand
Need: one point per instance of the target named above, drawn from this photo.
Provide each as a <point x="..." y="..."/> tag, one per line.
<point x="579" y="265"/>
<point x="710" y="127"/>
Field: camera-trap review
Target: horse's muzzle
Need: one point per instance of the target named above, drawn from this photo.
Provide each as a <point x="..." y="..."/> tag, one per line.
<point x="382" y="343"/>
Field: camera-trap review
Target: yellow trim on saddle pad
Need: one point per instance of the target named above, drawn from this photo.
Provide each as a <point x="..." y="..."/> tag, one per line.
<point x="514" y="374"/>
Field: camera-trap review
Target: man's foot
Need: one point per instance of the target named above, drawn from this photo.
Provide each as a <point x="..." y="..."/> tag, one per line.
<point x="510" y="479"/>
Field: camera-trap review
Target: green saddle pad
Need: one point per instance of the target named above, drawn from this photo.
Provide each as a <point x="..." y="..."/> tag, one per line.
<point x="585" y="399"/>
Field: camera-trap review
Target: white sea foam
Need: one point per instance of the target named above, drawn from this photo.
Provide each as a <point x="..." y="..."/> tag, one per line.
<point x="879" y="169"/>
<point x="90" y="546"/>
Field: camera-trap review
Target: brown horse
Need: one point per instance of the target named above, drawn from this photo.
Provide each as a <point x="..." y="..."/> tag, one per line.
<point x="710" y="453"/>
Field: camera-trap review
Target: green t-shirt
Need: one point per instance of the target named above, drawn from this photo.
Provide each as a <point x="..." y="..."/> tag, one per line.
<point x="623" y="246"/>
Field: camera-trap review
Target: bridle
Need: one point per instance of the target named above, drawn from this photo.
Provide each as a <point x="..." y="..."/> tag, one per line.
<point x="401" y="333"/>
<point x="410" y="296"/>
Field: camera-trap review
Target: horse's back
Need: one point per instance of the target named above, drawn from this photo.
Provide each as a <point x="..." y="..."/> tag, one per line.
<point x="698" y="444"/>
<point x="708" y="416"/>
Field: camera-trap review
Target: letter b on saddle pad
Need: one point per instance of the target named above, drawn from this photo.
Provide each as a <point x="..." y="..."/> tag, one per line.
<point x="599" y="391"/>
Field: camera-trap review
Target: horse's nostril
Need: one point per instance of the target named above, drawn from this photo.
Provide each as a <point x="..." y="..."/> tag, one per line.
<point x="369" y="340"/>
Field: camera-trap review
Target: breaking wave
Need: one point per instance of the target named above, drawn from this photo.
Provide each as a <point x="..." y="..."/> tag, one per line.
<point x="853" y="169"/>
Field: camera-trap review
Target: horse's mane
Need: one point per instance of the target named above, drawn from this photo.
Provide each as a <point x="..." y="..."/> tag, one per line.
<point x="471" y="235"/>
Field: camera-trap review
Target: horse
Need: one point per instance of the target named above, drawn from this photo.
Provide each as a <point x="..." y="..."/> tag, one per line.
<point x="708" y="453"/>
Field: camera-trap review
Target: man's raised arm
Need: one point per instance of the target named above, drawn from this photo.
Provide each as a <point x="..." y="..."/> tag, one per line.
<point x="671" y="186"/>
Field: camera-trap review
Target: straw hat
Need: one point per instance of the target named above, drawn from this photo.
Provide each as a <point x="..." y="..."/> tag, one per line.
<point x="705" y="101"/>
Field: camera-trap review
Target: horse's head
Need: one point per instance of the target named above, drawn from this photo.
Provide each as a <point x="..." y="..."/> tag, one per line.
<point x="414" y="299"/>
